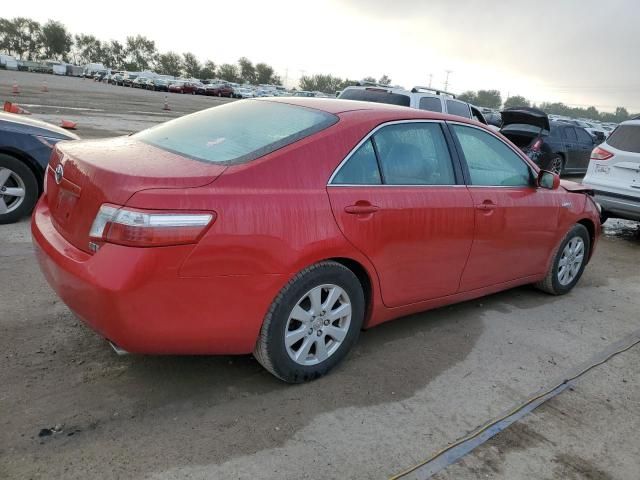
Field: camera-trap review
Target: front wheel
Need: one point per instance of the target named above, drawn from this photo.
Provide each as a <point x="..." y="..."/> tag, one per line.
<point x="568" y="262"/>
<point x="312" y="324"/>
<point x="556" y="165"/>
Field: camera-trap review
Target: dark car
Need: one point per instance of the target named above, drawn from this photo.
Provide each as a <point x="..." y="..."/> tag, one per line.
<point x="158" y="84"/>
<point x="128" y="79"/>
<point x="25" y="148"/>
<point x="555" y="146"/>
<point x="219" y="90"/>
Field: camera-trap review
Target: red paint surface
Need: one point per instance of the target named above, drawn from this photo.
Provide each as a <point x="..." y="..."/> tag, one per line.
<point x="422" y="248"/>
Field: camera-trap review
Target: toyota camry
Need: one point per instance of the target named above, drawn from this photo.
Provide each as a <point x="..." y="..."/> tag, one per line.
<point x="283" y="227"/>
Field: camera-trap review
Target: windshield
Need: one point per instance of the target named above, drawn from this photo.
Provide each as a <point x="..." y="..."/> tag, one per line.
<point x="237" y="132"/>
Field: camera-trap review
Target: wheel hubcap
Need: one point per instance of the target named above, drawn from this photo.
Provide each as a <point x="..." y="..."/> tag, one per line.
<point x="571" y="261"/>
<point x="12" y="190"/>
<point x="556" y="166"/>
<point x="318" y="324"/>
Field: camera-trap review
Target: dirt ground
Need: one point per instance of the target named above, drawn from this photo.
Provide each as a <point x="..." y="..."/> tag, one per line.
<point x="70" y="408"/>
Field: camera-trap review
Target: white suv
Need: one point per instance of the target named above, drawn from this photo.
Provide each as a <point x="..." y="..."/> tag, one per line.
<point x="614" y="172"/>
<point x="422" y="98"/>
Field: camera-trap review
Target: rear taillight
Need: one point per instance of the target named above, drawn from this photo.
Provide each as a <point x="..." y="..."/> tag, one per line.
<point x="148" y="228"/>
<point x="600" y="154"/>
<point x="536" y="145"/>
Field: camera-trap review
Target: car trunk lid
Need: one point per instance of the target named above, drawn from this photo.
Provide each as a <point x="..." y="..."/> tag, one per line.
<point x="83" y="175"/>
<point x="525" y="116"/>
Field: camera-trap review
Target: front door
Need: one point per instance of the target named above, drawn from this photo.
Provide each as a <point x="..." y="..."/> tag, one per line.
<point x="398" y="200"/>
<point x="516" y="223"/>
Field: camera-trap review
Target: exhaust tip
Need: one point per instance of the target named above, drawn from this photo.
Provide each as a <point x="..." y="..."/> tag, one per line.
<point x="117" y="349"/>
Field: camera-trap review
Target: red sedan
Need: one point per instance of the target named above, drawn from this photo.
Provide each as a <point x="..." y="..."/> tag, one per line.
<point x="283" y="227"/>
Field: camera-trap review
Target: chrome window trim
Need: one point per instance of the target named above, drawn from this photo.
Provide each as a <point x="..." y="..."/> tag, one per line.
<point x="519" y="154"/>
<point x="366" y="138"/>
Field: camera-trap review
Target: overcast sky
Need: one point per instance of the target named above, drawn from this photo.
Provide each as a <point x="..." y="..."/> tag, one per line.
<point x="580" y="52"/>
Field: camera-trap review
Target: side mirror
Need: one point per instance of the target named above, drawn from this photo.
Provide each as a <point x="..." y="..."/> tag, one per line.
<point x="548" y="180"/>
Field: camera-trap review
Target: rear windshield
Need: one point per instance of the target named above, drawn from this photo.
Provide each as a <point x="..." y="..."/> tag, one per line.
<point x="626" y="138"/>
<point x="237" y="132"/>
<point x="375" y="95"/>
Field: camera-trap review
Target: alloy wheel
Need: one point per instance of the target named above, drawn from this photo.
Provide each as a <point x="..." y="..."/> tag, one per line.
<point x="12" y="190"/>
<point x="556" y="165"/>
<point x="571" y="260"/>
<point x="318" y="324"/>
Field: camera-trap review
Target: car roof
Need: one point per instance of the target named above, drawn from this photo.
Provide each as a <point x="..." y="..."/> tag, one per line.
<point x="338" y="106"/>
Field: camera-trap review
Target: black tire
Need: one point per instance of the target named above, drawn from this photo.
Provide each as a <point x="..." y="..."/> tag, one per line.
<point x="270" y="349"/>
<point x="551" y="283"/>
<point x="556" y="164"/>
<point x="28" y="179"/>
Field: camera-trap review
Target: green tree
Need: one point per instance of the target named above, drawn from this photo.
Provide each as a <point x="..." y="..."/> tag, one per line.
<point x="114" y="54"/>
<point x="169" y="63"/>
<point x="56" y="40"/>
<point x="516" y="101"/>
<point x="264" y="73"/>
<point x="469" y="96"/>
<point x="488" y="98"/>
<point x="369" y="79"/>
<point x="87" y="49"/>
<point x="21" y="37"/>
<point x="326" y="83"/>
<point x="247" y="70"/>
<point x="384" y="80"/>
<point x="141" y="53"/>
<point x="191" y="65"/>
<point x="209" y="70"/>
<point x="229" y="72"/>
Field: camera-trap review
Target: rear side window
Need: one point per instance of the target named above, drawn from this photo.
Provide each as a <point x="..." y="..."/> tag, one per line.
<point x="433" y="104"/>
<point x="491" y="162"/>
<point x="460" y="109"/>
<point x="626" y="138"/>
<point x="377" y="95"/>
<point x="568" y="133"/>
<point x="583" y="136"/>
<point x="414" y="154"/>
<point x="237" y="132"/>
<point x="360" y="169"/>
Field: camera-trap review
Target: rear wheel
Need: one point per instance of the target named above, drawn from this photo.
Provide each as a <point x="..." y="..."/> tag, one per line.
<point x="556" y="164"/>
<point x="312" y="324"/>
<point x="18" y="189"/>
<point x="568" y="263"/>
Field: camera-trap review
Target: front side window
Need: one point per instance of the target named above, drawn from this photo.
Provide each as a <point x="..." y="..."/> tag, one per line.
<point x="583" y="136"/>
<point x="414" y="154"/>
<point x="569" y="134"/>
<point x="360" y="169"/>
<point x="237" y="132"/>
<point x="490" y="161"/>
<point x="461" y="109"/>
<point x="433" y="104"/>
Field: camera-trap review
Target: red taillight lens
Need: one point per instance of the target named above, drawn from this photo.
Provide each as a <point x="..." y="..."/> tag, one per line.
<point x="536" y="145"/>
<point x="148" y="228"/>
<point x="600" y="154"/>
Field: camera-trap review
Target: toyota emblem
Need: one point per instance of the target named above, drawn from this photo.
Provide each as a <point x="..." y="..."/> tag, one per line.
<point x="59" y="173"/>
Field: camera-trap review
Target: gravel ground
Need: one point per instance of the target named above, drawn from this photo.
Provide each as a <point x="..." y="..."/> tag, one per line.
<point x="70" y="408"/>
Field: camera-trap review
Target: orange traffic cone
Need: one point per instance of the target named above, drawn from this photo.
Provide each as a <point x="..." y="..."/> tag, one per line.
<point x="13" y="108"/>
<point x="166" y="104"/>
<point x="45" y="87"/>
<point x="69" y="125"/>
<point x="16" y="88"/>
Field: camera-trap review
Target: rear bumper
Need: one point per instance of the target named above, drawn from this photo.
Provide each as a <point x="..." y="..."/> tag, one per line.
<point x="618" y="205"/>
<point x="135" y="297"/>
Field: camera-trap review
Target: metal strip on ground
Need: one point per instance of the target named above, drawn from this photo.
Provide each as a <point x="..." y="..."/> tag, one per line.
<point x="460" y="448"/>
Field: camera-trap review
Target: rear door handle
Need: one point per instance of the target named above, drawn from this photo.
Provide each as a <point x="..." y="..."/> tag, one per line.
<point x="486" y="205"/>
<point x="361" y="209"/>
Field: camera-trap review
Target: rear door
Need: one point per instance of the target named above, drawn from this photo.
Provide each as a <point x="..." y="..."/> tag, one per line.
<point x="585" y="145"/>
<point x="570" y="138"/>
<point x="516" y="223"/>
<point x="400" y="200"/>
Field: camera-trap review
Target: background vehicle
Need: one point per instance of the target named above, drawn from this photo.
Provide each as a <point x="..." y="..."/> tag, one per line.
<point x="158" y="84"/>
<point x="140" y="82"/>
<point x="614" y="172"/>
<point x="555" y="146"/>
<point x="219" y="90"/>
<point x="25" y="149"/>
<point x="128" y="79"/>
<point x="184" y="86"/>
<point x="186" y="236"/>
<point x="422" y="98"/>
<point x="243" y="92"/>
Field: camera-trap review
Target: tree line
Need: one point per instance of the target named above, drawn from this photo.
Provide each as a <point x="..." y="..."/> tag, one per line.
<point x="27" y="39"/>
<point x="493" y="99"/>
<point x="330" y="84"/>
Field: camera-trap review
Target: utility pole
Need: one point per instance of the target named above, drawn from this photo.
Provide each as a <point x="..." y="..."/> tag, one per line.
<point x="446" y="82"/>
<point x="430" y="79"/>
